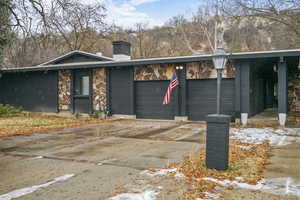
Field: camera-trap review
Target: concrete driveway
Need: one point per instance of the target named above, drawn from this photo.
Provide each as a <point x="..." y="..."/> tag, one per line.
<point x="95" y="162"/>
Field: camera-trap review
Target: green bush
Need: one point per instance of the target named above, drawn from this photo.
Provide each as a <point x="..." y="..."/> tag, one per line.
<point x="7" y="110"/>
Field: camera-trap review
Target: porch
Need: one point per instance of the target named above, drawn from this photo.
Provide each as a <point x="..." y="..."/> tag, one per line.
<point x="268" y="90"/>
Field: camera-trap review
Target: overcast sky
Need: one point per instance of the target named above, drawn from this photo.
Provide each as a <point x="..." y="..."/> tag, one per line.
<point x="126" y="13"/>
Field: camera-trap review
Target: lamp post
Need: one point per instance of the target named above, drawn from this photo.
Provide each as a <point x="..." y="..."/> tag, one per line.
<point x="219" y="60"/>
<point x="217" y="137"/>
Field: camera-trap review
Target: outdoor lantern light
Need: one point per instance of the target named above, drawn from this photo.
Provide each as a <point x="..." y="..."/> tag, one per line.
<point x="219" y="58"/>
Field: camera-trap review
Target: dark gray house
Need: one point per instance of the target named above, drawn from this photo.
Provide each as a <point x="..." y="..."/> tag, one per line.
<point x="80" y="82"/>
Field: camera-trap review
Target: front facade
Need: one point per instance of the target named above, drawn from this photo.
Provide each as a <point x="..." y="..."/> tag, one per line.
<point x="84" y="83"/>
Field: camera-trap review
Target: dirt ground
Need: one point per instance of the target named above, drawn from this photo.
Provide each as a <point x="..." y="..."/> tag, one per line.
<point x="26" y="123"/>
<point x="106" y="159"/>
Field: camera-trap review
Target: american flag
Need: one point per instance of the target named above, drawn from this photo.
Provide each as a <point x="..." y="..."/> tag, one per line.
<point x="173" y="84"/>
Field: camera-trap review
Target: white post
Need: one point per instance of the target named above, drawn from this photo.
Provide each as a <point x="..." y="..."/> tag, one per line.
<point x="244" y="118"/>
<point x="282" y="119"/>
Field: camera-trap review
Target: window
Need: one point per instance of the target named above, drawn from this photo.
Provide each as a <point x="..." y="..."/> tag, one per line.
<point x="85" y="85"/>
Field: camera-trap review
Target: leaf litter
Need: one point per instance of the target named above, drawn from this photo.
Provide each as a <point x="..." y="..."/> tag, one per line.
<point x="248" y="157"/>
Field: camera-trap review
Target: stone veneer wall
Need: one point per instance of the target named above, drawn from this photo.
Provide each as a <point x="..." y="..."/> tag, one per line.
<point x="64" y="87"/>
<point x="205" y="70"/>
<point x="99" y="89"/>
<point x="153" y="72"/>
<point x="294" y="94"/>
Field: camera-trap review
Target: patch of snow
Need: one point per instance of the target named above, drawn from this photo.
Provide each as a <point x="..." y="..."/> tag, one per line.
<point x="24" y="191"/>
<point x="37" y="157"/>
<point x="245" y="147"/>
<point x="276" y="137"/>
<point x="285" y="185"/>
<point x="237" y="184"/>
<point x="146" y="195"/>
<point x="160" y="187"/>
<point x="209" y="196"/>
<point x="280" y="186"/>
<point x="163" y="172"/>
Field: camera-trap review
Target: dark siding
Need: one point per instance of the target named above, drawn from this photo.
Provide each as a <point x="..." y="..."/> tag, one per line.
<point x="257" y="90"/>
<point x="237" y="90"/>
<point x="202" y="98"/>
<point x="121" y="92"/>
<point x="34" y="91"/>
<point x="81" y="105"/>
<point x="182" y="92"/>
<point x="149" y="98"/>
<point x="282" y="87"/>
<point x="245" y="87"/>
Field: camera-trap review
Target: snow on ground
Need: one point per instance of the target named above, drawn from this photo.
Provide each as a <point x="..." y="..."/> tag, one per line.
<point x="276" y="137"/>
<point x="279" y="186"/>
<point x="28" y="190"/>
<point x="146" y="195"/>
<point x="163" y="172"/>
<point x="37" y="157"/>
<point x="209" y="196"/>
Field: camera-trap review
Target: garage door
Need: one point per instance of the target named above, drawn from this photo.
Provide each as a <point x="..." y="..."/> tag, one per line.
<point x="202" y="94"/>
<point x="149" y="98"/>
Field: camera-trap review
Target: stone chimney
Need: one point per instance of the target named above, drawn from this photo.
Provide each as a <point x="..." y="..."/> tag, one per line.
<point x="121" y="50"/>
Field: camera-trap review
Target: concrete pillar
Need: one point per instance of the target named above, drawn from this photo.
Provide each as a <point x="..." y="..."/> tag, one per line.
<point x="282" y="92"/>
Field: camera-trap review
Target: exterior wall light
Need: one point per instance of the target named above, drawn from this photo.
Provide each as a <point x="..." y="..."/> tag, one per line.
<point x="179" y="67"/>
<point x="275" y="68"/>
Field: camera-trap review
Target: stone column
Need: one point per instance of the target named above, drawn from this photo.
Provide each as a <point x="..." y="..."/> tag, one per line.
<point x="64" y="90"/>
<point x="99" y="90"/>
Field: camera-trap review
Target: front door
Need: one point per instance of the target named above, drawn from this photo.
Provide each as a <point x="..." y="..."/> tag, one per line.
<point x="81" y="91"/>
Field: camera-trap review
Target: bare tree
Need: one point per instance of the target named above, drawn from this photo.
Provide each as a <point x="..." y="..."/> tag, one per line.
<point x="278" y="13"/>
<point x="44" y="29"/>
<point x="75" y="22"/>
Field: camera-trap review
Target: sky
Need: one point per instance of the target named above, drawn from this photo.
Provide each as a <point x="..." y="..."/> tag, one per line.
<point x="126" y="13"/>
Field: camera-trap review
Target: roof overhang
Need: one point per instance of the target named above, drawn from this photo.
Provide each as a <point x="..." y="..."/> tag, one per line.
<point x="164" y="60"/>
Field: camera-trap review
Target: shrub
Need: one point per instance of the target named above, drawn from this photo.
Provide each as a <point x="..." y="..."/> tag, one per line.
<point x="7" y="110"/>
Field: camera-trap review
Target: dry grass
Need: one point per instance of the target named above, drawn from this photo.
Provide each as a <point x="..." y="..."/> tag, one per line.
<point x="29" y="123"/>
<point x="248" y="164"/>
